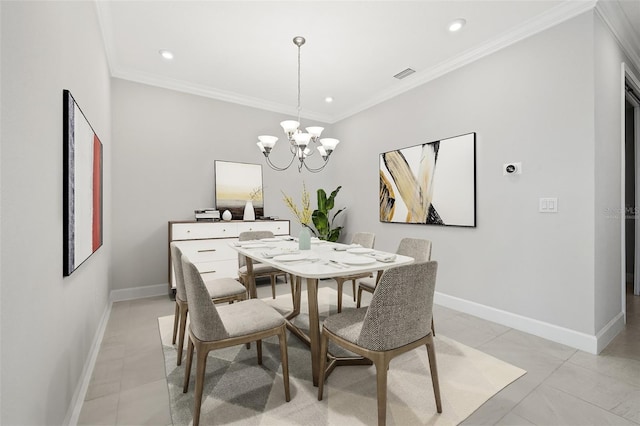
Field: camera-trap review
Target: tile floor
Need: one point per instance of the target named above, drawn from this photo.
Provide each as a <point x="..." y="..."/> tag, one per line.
<point x="563" y="386"/>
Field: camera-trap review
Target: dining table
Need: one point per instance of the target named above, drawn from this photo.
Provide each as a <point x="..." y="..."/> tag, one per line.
<point x="321" y="261"/>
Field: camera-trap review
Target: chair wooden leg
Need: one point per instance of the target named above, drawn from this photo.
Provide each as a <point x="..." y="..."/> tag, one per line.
<point x="201" y="365"/>
<point x="182" y="332"/>
<point x="284" y="358"/>
<point x="273" y="286"/>
<point x="354" y="289"/>
<point x="382" y="365"/>
<point x="359" y="297"/>
<point x="323" y="364"/>
<point x="340" y="283"/>
<point x="187" y="370"/>
<point x="434" y="373"/>
<point x="175" y="323"/>
<point x="291" y="281"/>
<point x="433" y="329"/>
<point x="259" y="348"/>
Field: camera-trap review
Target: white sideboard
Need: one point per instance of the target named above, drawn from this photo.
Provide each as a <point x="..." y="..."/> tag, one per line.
<point x="207" y="244"/>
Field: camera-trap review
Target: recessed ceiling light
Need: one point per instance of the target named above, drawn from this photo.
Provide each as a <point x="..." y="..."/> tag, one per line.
<point x="166" y="54"/>
<point x="457" y="25"/>
<point x="328" y="99"/>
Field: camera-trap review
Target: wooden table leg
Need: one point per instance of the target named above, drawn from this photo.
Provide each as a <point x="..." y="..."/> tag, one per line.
<point x="251" y="279"/>
<point x="314" y="328"/>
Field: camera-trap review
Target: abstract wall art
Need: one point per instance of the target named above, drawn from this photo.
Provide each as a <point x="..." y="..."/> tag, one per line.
<point x="237" y="183"/>
<point x="432" y="183"/>
<point x="82" y="187"/>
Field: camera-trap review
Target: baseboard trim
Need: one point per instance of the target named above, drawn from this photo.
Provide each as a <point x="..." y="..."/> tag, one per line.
<point x="81" y="391"/>
<point x="575" y="339"/>
<point x="610" y="331"/>
<point x="138" y="292"/>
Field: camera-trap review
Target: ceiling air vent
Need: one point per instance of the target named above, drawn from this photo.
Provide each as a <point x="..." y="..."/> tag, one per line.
<point x="404" y="73"/>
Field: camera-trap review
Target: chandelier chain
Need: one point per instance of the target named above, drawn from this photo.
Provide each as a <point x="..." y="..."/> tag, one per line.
<point x="299" y="78"/>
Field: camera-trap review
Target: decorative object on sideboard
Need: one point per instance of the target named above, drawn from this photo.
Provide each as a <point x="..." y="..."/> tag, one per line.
<point x="414" y="173"/>
<point x="237" y="183"/>
<point x="210" y="215"/>
<point x="226" y="215"/>
<point x="249" y="212"/>
<point x="300" y="143"/>
<point x="82" y="188"/>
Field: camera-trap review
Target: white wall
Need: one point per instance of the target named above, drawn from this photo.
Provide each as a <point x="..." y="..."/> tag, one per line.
<point x="608" y="150"/>
<point x="164" y="147"/>
<point x="531" y="102"/>
<point x="48" y="322"/>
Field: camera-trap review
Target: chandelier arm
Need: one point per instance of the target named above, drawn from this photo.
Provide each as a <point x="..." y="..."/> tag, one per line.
<point x="315" y="170"/>
<point x="280" y="169"/>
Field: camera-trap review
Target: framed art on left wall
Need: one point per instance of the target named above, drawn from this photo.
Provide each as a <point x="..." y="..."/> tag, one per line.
<point x="82" y="187"/>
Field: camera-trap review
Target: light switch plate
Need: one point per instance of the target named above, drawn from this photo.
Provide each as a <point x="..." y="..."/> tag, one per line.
<point x="548" y="205"/>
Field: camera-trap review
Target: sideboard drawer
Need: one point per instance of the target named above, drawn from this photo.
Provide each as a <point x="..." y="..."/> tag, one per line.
<point x="221" y="269"/>
<point x="195" y="231"/>
<point x="207" y="250"/>
<point x="277" y="227"/>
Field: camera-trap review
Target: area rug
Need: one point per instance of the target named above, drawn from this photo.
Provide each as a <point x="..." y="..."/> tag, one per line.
<point x="239" y="391"/>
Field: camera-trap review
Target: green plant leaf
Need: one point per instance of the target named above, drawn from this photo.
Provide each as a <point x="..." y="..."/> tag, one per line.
<point x="332" y="197"/>
<point x="322" y="201"/>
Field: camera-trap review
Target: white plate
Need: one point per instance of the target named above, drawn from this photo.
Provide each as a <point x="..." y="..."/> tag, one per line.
<point x="254" y="245"/>
<point x="359" y="250"/>
<point x="270" y="240"/>
<point x="291" y="257"/>
<point x="357" y="260"/>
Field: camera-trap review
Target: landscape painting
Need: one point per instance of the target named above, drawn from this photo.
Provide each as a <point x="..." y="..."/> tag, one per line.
<point x="237" y="183"/>
<point x="432" y="183"/>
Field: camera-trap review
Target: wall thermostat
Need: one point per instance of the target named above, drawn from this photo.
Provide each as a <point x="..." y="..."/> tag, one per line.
<point x="512" y="169"/>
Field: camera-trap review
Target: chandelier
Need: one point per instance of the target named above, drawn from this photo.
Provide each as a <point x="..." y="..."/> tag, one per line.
<point x="301" y="144"/>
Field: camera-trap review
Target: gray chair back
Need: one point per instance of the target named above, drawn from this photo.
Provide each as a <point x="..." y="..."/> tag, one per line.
<point x="401" y="309"/>
<point x="417" y="248"/>
<point x="365" y="239"/>
<point x="176" y="260"/>
<point x="205" y="321"/>
<point x="249" y="236"/>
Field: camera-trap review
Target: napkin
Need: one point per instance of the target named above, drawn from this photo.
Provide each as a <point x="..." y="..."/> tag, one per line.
<point x="278" y="252"/>
<point x="383" y="257"/>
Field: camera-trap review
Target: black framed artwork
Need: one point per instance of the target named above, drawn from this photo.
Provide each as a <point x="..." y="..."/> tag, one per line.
<point x="82" y="187"/>
<point x="433" y="183"/>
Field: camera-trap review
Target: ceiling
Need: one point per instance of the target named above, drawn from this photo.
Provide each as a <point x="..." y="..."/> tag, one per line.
<point x="242" y="52"/>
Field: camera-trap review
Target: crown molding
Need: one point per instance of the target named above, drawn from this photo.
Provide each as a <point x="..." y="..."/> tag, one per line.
<point x="552" y="17"/>
<point x="221" y="95"/>
<point x="614" y="17"/>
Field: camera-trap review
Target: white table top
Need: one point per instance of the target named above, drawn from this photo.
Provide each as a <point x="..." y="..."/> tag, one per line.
<point x="317" y="262"/>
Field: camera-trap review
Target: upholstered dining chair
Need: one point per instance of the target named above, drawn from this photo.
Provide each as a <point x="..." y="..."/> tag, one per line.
<point x="214" y="327"/>
<point x="220" y="290"/>
<point x="396" y="321"/>
<point x="259" y="269"/>
<point x="366" y="240"/>
<point x="419" y="249"/>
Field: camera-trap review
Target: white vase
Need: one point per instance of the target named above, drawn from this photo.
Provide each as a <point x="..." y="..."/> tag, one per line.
<point x="249" y="212"/>
<point x="226" y="215"/>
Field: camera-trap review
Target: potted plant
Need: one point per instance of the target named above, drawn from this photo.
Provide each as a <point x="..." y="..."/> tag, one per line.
<point x="321" y="217"/>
